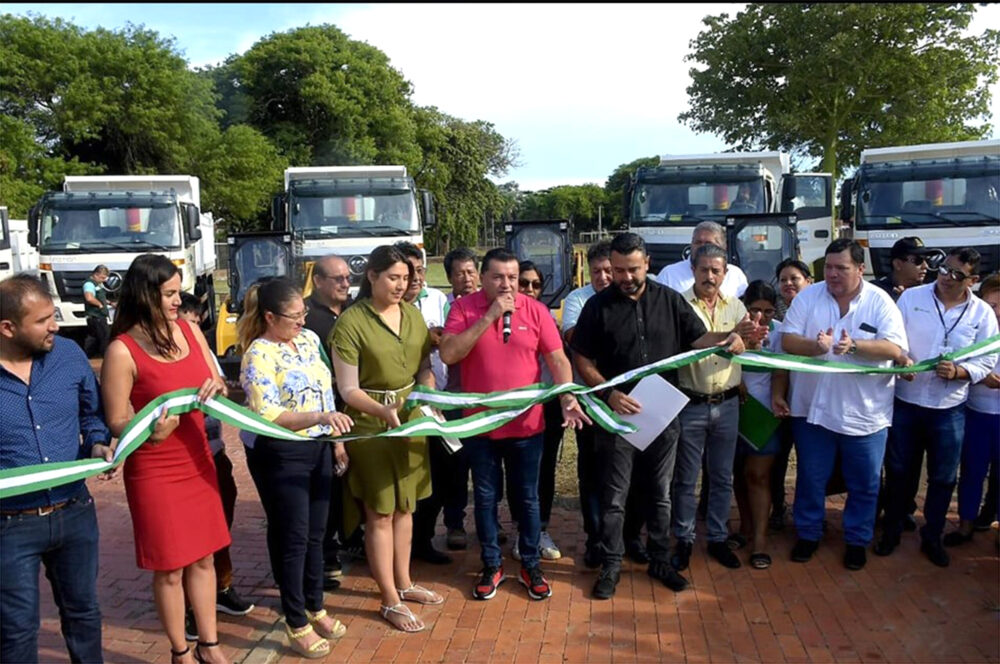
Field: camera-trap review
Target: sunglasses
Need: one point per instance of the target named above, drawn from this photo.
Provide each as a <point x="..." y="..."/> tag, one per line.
<point x="916" y="260"/>
<point x="957" y="275"/>
<point x="534" y="284"/>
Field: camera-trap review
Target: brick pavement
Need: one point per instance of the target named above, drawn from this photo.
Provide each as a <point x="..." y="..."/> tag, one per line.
<point x="898" y="609"/>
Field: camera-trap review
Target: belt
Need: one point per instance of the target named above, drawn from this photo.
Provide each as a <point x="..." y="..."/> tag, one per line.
<point x="40" y="511"/>
<point x="388" y="396"/>
<point x="698" y="397"/>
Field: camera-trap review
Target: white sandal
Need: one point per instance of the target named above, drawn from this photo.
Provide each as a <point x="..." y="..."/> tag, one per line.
<point x="336" y="630"/>
<point x="402" y="610"/>
<point x="418" y="589"/>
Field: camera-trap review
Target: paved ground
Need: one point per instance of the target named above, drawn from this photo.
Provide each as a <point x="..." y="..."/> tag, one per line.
<point x="898" y="609"/>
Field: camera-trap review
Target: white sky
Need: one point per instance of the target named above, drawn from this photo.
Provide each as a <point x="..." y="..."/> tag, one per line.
<point x="582" y="88"/>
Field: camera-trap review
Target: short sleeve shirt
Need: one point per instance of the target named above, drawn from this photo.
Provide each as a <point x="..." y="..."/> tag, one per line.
<point x="620" y="334"/>
<point x="278" y="378"/>
<point x="849" y="404"/>
<point x="680" y="277"/>
<point x="492" y="365"/>
<point x="573" y="305"/>
<point x="433" y="306"/>
<point x="715" y="374"/>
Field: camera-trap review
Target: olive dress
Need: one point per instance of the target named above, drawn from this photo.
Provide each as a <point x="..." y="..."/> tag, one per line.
<point x="386" y="474"/>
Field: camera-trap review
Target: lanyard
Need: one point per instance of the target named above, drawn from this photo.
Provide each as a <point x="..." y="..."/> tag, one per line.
<point x="947" y="330"/>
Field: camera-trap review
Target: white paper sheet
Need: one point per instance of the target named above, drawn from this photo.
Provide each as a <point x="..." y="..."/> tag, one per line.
<point x="661" y="402"/>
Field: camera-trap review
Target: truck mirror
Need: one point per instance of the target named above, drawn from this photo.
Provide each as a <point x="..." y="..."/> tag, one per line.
<point x="846" y="209"/>
<point x="193" y="219"/>
<point x="278" y="213"/>
<point x="430" y="214"/>
<point x="33" y="214"/>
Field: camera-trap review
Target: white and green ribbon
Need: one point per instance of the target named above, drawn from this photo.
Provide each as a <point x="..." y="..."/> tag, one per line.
<point x="500" y="408"/>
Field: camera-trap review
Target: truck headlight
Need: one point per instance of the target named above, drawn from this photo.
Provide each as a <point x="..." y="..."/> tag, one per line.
<point x="59" y="316"/>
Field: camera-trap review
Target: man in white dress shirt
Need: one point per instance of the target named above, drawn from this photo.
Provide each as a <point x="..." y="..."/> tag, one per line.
<point x="848" y="320"/>
<point x="680" y="275"/>
<point x="929" y="412"/>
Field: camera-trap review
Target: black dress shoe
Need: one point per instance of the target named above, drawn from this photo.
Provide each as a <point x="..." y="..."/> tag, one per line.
<point x="886" y="544"/>
<point x="804" y="550"/>
<point x="909" y="523"/>
<point x="935" y="552"/>
<point x="722" y="553"/>
<point x="982" y="523"/>
<point x="606" y="583"/>
<point x="636" y="552"/>
<point x="855" y="557"/>
<point x="956" y="538"/>
<point x="682" y="556"/>
<point x="667" y="575"/>
<point x="429" y="554"/>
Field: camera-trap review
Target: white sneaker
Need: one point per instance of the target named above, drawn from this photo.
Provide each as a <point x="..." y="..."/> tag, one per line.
<point x="547" y="547"/>
<point x="514" y="551"/>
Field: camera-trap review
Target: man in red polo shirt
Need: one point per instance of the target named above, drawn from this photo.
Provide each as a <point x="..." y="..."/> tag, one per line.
<point x="474" y="339"/>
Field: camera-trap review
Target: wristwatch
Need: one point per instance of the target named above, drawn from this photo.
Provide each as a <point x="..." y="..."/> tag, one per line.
<point x="853" y="349"/>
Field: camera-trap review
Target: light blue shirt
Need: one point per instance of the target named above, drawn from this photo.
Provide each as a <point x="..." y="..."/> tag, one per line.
<point x="573" y="305"/>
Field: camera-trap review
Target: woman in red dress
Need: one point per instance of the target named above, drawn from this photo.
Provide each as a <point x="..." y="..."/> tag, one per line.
<point x="170" y="481"/>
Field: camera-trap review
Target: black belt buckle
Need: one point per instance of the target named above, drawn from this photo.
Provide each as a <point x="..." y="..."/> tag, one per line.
<point x="715" y="399"/>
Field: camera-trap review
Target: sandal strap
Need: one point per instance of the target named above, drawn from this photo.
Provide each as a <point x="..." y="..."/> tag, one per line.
<point x="298" y="633"/>
<point x="400" y="608"/>
<point x="206" y="644"/>
<point x="180" y="653"/>
<point x="313" y="617"/>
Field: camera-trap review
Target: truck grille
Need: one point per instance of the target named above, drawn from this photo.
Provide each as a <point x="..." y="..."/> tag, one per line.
<point x="69" y="285"/>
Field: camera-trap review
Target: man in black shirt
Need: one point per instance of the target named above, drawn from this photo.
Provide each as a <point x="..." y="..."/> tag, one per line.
<point x="331" y="281"/>
<point x="634" y="322"/>
<point x="908" y="258"/>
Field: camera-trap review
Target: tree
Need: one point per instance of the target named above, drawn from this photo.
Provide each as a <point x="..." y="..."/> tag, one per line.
<point x="614" y="189"/>
<point x="322" y="97"/>
<point x="833" y="79"/>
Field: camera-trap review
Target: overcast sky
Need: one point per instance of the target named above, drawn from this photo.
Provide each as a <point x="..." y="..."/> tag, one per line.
<point x="582" y="88"/>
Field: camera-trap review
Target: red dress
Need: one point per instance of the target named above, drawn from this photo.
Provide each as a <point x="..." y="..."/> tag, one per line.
<point x="172" y="490"/>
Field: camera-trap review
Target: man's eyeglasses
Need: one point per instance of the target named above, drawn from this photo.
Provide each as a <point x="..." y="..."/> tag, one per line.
<point x="296" y="317"/>
<point x="957" y="275"/>
<point x="916" y="260"/>
<point x="529" y="283"/>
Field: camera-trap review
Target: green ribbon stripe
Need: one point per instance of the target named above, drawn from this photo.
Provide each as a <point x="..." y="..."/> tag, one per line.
<point x="502" y="407"/>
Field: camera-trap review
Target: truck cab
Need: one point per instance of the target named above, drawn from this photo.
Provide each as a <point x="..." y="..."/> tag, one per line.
<point x="946" y="194"/>
<point x="111" y="220"/>
<point x="664" y="203"/>
<point x="350" y="210"/>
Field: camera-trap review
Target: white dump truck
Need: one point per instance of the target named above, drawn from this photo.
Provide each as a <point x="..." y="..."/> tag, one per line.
<point x="944" y="193"/>
<point x="110" y="220"/>
<point x="664" y="203"/>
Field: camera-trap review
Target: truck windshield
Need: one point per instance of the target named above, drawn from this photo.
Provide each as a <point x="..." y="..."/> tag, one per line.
<point x="388" y="213"/>
<point x="656" y="203"/>
<point x="927" y="200"/>
<point x="71" y="226"/>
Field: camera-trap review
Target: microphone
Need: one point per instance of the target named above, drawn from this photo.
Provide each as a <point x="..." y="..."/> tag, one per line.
<point x="506" y="326"/>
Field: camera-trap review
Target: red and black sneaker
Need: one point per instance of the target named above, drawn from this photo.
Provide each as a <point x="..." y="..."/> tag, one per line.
<point x="487" y="586"/>
<point x="537" y="585"/>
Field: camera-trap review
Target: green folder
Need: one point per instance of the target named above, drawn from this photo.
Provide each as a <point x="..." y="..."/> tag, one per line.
<point x="757" y="423"/>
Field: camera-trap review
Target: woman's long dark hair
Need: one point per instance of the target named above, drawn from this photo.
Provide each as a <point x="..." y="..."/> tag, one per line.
<point x="380" y="260"/>
<point x="140" y="302"/>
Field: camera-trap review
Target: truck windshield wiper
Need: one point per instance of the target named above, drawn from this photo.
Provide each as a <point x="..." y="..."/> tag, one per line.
<point x="155" y="245"/>
<point x="377" y="230"/>
<point x="971" y="215"/>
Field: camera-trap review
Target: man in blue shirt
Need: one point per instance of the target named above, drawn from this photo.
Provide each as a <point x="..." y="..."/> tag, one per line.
<point x="51" y="413"/>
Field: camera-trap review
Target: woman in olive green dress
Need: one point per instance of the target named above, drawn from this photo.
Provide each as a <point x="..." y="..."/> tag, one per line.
<point x="381" y="348"/>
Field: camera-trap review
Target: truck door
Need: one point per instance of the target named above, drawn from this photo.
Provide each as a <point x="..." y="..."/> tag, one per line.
<point x="810" y="197"/>
<point x="548" y="245"/>
<point x="759" y="242"/>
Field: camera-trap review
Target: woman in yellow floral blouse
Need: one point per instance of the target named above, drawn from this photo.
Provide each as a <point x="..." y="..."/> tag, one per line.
<point x="287" y="382"/>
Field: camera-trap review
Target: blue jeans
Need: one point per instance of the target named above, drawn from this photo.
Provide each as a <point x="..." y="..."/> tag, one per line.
<point x="980" y="450"/>
<point x="915" y="428"/>
<point x="709" y="430"/>
<point x="66" y="542"/>
<point x="861" y="457"/>
<point x="522" y="459"/>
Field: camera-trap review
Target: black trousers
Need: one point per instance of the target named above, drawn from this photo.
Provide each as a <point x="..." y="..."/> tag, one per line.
<point x="617" y="459"/>
<point x="293" y="479"/>
<point x="95" y="344"/>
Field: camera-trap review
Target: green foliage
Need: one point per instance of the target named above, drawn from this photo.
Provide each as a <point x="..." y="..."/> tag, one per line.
<point x="615" y="189"/>
<point x="578" y="203"/>
<point x="831" y="79"/>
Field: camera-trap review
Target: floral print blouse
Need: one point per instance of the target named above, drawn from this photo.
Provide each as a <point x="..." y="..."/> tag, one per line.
<point x="278" y="378"/>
